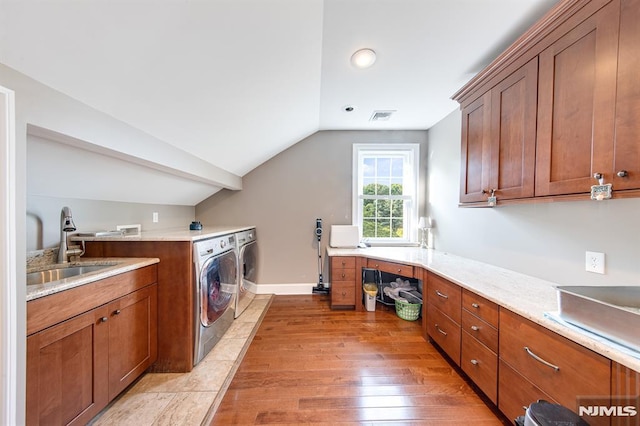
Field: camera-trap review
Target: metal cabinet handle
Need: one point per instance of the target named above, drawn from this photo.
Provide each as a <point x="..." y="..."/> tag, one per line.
<point x="343" y="275"/>
<point x="104" y="319"/>
<point x="441" y="331"/>
<point x="399" y="270"/>
<point x="344" y="293"/>
<point x="537" y="358"/>
<point x="597" y="175"/>
<point x="475" y="305"/>
<point x="475" y="328"/>
<point x="623" y="173"/>
<point x="117" y="312"/>
<point x="474" y="362"/>
<point x="444" y="296"/>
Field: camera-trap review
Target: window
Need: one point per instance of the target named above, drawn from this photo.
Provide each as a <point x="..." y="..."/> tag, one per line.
<point x="385" y="182"/>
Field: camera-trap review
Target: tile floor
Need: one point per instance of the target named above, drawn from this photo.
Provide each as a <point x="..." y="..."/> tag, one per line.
<point x="188" y="398"/>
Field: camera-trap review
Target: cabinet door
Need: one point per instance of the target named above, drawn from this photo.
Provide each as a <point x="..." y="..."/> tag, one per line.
<point x="476" y="150"/>
<point x="576" y="106"/>
<point x="627" y="130"/>
<point x="132" y="337"/>
<point x="513" y="133"/>
<point x="67" y="370"/>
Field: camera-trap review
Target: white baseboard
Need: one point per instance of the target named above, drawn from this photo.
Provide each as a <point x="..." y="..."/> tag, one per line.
<point x="283" y="289"/>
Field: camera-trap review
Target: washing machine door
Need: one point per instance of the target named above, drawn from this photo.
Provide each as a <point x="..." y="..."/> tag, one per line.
<point x="218" y="279"/>
<point x="249" y="256"/>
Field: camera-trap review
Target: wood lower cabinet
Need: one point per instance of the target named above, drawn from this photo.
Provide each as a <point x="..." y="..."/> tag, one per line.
<point x="176" y="295"/>
<point x="558" y="367"/>
<point x="479" y="357"/>
<point x="625" y="392"/>
<point x="67" y="371"/>
<point x="133" y="337"/>
<point x="75" y="366"/>
<point x="444" y="300"/>
<point x="343" y="282"/>
<point x="391" y="267"/>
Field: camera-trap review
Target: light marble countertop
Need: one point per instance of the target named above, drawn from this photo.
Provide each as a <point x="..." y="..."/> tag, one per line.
<point x="171" y="234"/>
<point x="523" y="294"/>
<point x="114" y="266"/>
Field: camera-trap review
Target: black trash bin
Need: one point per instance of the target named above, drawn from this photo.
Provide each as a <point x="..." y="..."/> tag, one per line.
<point x="543" y="413"/>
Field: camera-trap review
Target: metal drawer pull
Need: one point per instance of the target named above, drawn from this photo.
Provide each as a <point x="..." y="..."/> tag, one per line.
<point x="475" y="328"/>
<point x="474" y="362"/>
<point x="441" y="331"/>
<point x="444" y="296"/>
<point x="104" y="319"/>
<point x="537" y="358"/>
<point x="475" y="305"/>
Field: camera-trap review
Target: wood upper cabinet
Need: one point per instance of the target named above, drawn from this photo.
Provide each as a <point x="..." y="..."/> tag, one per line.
<point x="498" y="139"/>
<point x="626" y="153"/>
<point x="576" y="106"/>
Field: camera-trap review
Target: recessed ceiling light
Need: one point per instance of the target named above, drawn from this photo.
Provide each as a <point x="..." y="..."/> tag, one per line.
<point x="363" y="58"/>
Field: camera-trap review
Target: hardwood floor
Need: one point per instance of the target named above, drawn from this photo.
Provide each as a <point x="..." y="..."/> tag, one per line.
<point x="309" y="364"/>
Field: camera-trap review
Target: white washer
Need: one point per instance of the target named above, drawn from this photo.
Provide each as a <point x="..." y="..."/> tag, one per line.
<point x="247" y="248"/>
<point x="216" y="268"/>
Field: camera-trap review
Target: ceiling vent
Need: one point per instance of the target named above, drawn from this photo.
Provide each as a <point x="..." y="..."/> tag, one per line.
<point x="381" y="115"/>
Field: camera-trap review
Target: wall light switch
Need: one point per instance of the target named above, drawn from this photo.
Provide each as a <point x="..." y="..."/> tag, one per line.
<point x="594" y="262"/>
<point x="155" y="217"/>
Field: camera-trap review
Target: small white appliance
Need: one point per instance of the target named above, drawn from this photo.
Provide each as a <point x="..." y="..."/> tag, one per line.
<point x="344" y="236"/>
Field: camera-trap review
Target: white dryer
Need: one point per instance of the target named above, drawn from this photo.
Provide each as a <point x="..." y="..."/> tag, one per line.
<point x="216" y="268"/>
<point x="247" y="249"/>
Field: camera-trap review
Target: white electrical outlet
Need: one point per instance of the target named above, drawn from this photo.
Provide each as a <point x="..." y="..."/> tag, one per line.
<point x="155" y="217"/>
<point x="594" y="262"/>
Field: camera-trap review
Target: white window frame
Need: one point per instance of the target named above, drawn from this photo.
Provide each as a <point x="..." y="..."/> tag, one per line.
<point x="411" y="154"/>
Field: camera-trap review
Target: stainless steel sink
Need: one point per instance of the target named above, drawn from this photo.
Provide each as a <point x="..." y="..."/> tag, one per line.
<point x="56" y="274"/>
<point x="610" y="312"/>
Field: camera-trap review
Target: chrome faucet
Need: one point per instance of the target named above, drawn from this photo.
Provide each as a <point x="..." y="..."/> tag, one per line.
<point x="66" y="225"/>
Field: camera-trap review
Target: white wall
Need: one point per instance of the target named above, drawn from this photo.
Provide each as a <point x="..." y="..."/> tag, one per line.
<point x="546" y="240"/>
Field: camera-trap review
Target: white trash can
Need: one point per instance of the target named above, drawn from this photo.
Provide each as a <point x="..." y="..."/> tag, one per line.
<point x="370" y="291"/>
<point x="370" y="302"/>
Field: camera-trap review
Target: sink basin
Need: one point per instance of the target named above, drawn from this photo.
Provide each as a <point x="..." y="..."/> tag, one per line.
<point x="56" y="274"/>
<point x="610" y="312"/>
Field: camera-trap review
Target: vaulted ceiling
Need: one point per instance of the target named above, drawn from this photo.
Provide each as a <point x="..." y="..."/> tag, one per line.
<point x="234" y="82"/>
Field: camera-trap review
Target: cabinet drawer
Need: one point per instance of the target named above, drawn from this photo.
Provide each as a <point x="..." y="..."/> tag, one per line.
<point x="480" y="307"/>
<point x="343" y="262"/>
<point x="444" y="295"/>
<point x="343" y="275"/>
<point x="343" y="294"/>
<point x="445" y="332"/>
<point x="393" y="268"/>
<point x="481" y="365"/>
<point x="579" y="371"/>
<point x="480" y="330"/>
<point x="516" y="392"/>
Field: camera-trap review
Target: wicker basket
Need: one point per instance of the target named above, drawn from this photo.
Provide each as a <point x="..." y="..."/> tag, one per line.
<point x="408" y="311"/>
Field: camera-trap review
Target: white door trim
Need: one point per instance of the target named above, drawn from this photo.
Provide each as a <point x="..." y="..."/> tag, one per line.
<point x="8" y="272"/>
